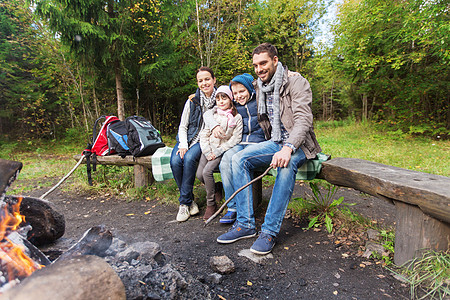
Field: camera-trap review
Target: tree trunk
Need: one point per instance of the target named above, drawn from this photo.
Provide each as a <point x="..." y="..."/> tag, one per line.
<point x="198" y="32"/>
<point x="364" y="106"/>
<point x="119" y="90"/>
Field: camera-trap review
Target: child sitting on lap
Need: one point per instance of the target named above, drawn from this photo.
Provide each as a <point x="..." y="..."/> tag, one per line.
<point x="226" y="116"/>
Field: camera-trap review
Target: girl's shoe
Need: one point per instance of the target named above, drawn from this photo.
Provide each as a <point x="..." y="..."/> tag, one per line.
<point x="210" y="210"/>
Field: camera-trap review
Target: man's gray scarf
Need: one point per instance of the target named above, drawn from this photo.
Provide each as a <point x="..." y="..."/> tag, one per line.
<point x="207" y="103"/>
<point x="273" y="86"/>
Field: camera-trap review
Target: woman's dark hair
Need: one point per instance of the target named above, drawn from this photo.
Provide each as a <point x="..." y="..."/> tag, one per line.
<point x="207" y="69"/>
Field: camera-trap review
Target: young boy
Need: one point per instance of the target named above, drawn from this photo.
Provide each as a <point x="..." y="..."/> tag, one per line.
<point x="245" y="101"/>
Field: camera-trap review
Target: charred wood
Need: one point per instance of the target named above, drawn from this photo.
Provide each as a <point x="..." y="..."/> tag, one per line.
<point x="95" y="241"/>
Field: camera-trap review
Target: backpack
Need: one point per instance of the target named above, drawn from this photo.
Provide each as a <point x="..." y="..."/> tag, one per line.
<point x="98" y="144"/>
<point x="117" y="138"/>
<point x="143" y="138"/>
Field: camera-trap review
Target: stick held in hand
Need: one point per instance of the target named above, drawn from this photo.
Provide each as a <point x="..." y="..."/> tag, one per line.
<point x="235" y="193"/>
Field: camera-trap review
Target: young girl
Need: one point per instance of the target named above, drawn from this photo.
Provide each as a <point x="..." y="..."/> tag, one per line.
<point x="226" y="116"/>
<point x="186" y="153"/>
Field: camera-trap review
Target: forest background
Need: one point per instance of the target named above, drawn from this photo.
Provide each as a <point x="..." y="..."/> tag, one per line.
<point x="66" y="62"/>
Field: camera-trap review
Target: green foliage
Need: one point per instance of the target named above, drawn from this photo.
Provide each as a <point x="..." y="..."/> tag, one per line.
<point x="393" y="56"/>
<point x="388" y="242"/>
<point x="428" y="275"/>
<point x="322" y="205"/>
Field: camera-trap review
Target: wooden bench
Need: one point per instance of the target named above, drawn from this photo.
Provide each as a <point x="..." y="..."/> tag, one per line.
<point x="422" y="200"/>
<point x="142" y="166"/>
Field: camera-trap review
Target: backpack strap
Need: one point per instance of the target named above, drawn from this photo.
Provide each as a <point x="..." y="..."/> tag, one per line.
<point x="87" y="154"/>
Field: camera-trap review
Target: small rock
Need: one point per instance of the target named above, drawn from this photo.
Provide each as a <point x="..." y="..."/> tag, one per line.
<point x="254" y="257"/>
<point x="371" y="246"/>
<point x="214" y="278"/>
<point x="373" y="234"/>
<point x="221" y="264"/>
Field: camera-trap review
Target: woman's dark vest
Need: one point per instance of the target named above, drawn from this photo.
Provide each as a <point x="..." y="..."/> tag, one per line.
<point x="195" y="118"/>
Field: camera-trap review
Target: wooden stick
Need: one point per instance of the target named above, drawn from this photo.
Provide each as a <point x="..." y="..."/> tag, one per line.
<point x="63" y="179"/>
<point x="235" y="193"/>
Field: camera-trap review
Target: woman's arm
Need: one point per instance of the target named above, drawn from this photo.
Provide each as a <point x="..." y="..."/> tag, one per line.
<point x="182" y="129"/>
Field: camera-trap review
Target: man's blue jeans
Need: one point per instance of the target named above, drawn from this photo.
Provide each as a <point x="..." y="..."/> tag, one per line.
<point x="184" y="170"/>
<point x="226" y="173"/>
<point x="259" y="157"/>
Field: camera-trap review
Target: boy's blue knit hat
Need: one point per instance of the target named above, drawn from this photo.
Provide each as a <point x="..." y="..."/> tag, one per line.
<point x="246" y="80"/>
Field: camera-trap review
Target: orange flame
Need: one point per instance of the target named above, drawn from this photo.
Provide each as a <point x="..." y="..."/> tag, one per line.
<point x="18" y="263"/>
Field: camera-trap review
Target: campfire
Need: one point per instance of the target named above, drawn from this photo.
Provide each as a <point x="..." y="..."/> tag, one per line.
<point x="98" y="266"/>
<point x="15" y="265"/>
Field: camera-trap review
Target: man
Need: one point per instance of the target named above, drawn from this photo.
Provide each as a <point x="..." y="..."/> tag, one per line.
<point x="284" y="112"/>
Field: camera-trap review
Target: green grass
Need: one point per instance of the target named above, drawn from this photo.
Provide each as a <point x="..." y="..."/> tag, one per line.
<point x="365" y="141"/>
<point x="428" y="275"/>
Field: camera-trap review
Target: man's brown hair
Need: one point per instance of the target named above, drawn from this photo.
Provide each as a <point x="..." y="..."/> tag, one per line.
<point x="266" y="47"/>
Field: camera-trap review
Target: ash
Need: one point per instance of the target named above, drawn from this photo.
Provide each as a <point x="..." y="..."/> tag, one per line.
<point x="147" y="274"/>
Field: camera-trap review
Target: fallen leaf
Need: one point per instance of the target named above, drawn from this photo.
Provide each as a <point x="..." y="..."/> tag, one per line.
<point x="221" y="297"/>
<point x="345" y="255"/>
<point x="335" y="292"/>
<point x="147" y="212"/>
<point x="129" y="215"/>
<point x="362" y="265"/>
<point x="249" y="283"/>
<point x="381" y="276"/>
<point x="286" y="248"/>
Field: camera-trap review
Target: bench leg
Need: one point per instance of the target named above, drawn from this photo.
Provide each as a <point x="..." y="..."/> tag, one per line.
<point x="257" y="193"/>
<point x="416" y="232"/>
<point x="142" y="176"/>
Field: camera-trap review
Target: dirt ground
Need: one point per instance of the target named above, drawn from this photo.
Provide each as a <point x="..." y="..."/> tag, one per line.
<point x="305" y="264"/>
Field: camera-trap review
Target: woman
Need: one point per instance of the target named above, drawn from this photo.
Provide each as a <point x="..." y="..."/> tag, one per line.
<point x="186" y="153"/>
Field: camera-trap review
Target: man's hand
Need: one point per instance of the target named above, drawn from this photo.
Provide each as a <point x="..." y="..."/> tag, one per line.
<point x="211" y="156"/>
<point x="218" y="132"/>
<point x="182" y="152"/>
<point x="281" y="158"/>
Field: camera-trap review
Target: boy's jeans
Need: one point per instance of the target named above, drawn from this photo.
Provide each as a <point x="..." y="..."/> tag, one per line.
<point x="259" y="156"/>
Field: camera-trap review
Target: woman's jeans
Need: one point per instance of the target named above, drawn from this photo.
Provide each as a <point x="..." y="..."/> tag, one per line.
<point x="184" y="170"/>
<point x="257" y="157"/>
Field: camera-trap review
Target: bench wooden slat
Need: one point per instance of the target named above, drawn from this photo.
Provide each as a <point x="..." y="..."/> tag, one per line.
<point x="431" y="193"/>
<point x="119" y="161"/>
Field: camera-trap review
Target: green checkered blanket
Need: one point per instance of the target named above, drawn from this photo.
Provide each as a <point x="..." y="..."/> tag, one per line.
<point x="161" y="166"/>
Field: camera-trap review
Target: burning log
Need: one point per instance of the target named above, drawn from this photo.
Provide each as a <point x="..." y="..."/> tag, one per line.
<point x="95" y="241"/>
<point x="81" y="277"/>
<point x="47" y="224"/>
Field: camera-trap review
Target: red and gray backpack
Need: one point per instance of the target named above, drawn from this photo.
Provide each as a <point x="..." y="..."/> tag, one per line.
<point x="99" y="144"/>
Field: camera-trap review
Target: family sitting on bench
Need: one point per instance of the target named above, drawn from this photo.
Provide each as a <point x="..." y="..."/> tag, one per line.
<point x="273" y="126"/>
